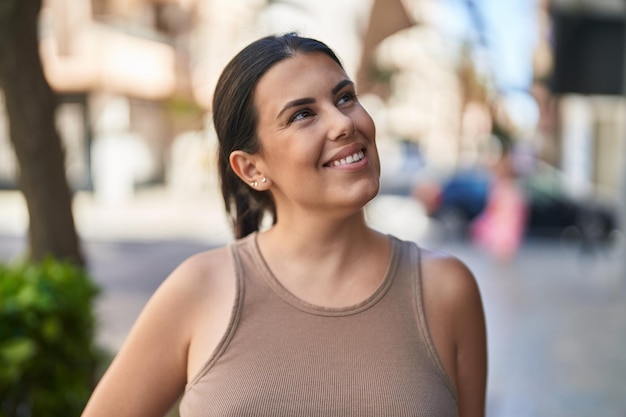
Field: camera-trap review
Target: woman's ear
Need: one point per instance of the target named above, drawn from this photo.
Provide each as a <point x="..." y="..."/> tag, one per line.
<point x="245" y="166"/>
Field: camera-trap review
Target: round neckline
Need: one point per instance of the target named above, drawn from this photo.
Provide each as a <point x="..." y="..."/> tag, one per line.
<point x="311" y="308"/>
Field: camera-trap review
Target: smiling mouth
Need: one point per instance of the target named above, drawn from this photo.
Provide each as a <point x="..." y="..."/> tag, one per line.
<point x="350" y="159"/>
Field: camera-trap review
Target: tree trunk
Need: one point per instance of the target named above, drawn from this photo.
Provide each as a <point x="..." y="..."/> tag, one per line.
<point x="31" y="105"/>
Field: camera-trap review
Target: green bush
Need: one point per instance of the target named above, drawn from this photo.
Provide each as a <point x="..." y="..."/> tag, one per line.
<point x="48" y="357"/>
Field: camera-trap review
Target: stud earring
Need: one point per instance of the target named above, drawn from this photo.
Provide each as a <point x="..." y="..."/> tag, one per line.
<point x="254" y="184"/>
<point x="263" y="180"/>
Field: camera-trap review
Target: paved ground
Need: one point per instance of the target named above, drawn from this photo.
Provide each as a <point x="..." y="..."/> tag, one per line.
<point x="556" y="317"/>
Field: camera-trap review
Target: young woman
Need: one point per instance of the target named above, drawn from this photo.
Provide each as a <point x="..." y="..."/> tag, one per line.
<point x="317" y="315"/>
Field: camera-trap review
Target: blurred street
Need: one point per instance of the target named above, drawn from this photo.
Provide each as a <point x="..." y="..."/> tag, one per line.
<point x="556" y="317"/>
<point x="455" y="87"/>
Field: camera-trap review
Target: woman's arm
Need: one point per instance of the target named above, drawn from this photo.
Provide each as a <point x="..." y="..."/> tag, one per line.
<point x="456" y="321"/>
<point x="150" y="371"/>
<point x="471" y="349"/>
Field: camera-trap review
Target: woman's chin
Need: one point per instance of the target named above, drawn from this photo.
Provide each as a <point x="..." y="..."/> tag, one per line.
<point x="369" y="193"/>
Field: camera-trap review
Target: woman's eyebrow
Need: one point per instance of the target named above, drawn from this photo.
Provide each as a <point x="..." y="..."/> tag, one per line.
<point x="308" y="100"/>
<point x="295" y="103"/>
<point x="341" y="85"/>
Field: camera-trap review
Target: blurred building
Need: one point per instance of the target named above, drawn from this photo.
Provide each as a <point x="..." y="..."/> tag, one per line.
<point x="135" y="79"/>
<point x="581" y="91"/>
<point x="132" y="76"/>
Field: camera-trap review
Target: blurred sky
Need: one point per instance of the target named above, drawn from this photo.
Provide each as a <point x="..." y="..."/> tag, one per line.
<point x="503" y="35"/>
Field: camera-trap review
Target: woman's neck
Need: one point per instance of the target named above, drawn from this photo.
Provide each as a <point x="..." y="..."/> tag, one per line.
<point x="331" y="265"/>
<point x="307" y="230"/>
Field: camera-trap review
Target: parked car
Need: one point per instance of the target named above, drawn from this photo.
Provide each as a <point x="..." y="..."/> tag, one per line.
<point x="552" y="211"/>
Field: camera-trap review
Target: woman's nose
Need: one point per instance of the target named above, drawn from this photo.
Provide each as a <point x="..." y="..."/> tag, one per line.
<point x="340" y="125"/>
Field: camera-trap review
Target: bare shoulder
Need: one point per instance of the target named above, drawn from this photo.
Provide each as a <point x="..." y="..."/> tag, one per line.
<point x="205" y="270"/>
<point x="201" y="281"/>
<point x="151" y="369"/>
<point x="207" y="286"/>
<point x="455" y="316"/>
<point x="451" y="293"/>
<point x="448" y="280"/>
<point x="200" y="291"/>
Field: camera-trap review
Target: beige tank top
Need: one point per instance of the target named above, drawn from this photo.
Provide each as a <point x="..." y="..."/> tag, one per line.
<point x="282" y="356"/>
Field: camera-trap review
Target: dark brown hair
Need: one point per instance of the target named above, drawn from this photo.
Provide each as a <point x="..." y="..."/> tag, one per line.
<point x="235" y="121"/>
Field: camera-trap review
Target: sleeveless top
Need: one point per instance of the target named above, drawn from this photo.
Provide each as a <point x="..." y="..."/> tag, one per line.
<point x="282" y="356"/>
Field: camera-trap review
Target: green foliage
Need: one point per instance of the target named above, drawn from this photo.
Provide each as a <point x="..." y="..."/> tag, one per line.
<point x="48" y="357"/>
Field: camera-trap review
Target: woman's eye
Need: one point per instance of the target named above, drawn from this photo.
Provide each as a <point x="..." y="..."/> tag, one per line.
<point x="346" y="98"/>
<point x="301" y="114"/>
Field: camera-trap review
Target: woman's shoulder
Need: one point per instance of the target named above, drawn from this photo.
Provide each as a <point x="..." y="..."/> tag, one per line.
<point x="209" y="269"/>
<point x="444" y="263"/>
<point x="156" y="354"/>
<point x="448" y="281"/>
<point x="204" y="261"/>
<point x="454" y="312"/>
<point x="198" y="287"/>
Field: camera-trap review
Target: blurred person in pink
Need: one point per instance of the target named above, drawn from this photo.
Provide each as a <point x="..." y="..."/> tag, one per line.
<point x="501" y="226"/>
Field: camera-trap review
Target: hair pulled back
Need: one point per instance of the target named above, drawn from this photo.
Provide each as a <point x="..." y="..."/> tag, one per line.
<point x="235" y="120"/>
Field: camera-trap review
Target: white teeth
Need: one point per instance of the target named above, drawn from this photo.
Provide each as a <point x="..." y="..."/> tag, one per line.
<point x="350" y="159"/>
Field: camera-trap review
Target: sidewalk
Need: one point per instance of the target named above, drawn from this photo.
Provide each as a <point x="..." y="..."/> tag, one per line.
<point x="152" y="214"/>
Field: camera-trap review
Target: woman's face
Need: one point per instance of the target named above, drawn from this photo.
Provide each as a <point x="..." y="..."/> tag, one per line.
<point x="317" y="142"/>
